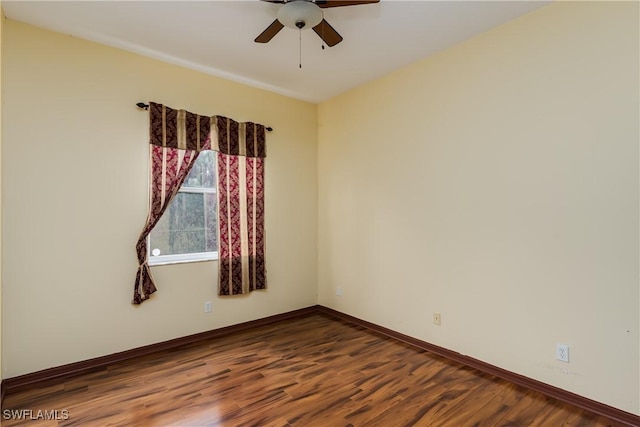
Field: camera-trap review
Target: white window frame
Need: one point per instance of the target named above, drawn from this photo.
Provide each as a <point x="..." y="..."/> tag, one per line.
<point x="184" y="258"/>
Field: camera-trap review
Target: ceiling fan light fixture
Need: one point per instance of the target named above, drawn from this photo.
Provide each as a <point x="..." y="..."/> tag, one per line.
<point x="300" y="14"/>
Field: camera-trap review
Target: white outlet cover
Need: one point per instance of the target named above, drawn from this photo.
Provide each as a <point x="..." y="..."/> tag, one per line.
<point x="437" y="319"/>
<point x="562" y="352"/>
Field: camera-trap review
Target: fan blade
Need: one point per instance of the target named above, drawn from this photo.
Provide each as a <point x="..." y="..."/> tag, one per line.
<point x="270" y="32"/>
<point x="327" y="33"/>
<point x="338" y="3"/>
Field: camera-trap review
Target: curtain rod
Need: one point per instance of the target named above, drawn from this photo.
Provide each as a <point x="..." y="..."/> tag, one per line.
<point x="144" y="106"/>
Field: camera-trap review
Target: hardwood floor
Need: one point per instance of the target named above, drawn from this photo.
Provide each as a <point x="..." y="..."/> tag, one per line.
<point x="311" y="371"/>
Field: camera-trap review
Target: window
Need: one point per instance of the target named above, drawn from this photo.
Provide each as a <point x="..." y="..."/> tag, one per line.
<point x="187" y="231"/>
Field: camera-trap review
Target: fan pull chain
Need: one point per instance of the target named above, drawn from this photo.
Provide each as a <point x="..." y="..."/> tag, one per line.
<point x="300" y="38"/>
<point x="321" y="23"/>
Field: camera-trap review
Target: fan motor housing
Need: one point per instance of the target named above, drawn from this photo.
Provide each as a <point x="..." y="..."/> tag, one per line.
<point x="300" y="14"/>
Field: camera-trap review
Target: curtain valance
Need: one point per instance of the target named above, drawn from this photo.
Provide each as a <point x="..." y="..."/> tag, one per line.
<point x="184" y="130"/>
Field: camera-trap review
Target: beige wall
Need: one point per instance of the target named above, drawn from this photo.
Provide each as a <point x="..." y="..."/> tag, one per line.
<point x="75" y="169"/>
<point x="497" y="183"/>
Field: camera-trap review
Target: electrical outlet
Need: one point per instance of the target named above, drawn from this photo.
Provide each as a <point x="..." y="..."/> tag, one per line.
<point x="207" y="306"/>
<point x="436" y="319"/>
<point x="339" y="291"/>
<point x="562" y="352"/>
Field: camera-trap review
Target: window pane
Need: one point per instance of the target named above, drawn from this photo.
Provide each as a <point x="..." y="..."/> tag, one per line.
<point x="203" y="172"/>
<point x="181" y="229"/>
<point x="189" y="225"/>
<point x="211" y="222"/>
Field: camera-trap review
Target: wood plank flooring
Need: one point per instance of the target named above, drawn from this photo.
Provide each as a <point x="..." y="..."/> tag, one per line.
<point x="310" y="371"/>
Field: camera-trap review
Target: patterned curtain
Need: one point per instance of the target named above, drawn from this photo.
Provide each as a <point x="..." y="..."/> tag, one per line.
<point x="241" y="207"/>
<point x="176" y="139"/>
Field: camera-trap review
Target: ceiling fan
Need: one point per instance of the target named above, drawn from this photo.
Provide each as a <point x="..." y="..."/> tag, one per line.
<point x="302" y="14"/>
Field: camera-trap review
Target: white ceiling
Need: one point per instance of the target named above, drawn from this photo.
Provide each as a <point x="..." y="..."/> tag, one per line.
<point x="216" y="37"/>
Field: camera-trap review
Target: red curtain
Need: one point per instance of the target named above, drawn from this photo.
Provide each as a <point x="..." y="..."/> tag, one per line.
<point x="169" y="168"/>
<point x="241" y="234"/>
<point x="241" y="224"/>
<point x="176" y="138"/>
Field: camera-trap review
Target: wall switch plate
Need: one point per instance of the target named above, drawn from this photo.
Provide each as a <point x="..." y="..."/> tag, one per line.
<point x="436" y="319"/>
<point x="562" y="352"/>
<point x="339" y="291"/>
<point x="207" y="306"/>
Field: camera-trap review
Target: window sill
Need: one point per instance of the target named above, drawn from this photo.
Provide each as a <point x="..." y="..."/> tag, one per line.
<point x="168" y="260"/>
